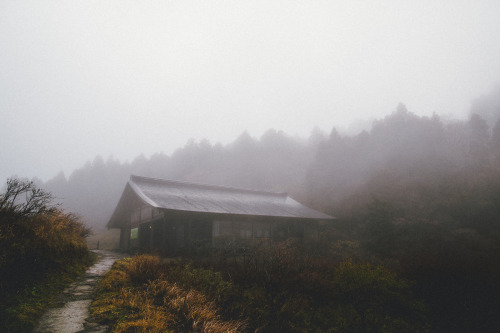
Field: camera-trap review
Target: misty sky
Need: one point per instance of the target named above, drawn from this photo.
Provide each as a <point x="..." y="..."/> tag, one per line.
<point x="86" y="78"/>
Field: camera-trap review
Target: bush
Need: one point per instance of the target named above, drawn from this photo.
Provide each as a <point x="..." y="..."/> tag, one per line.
<point x="272" y="289"/>
<point x="40" y="246"/>
<point x="144" y="268"/>
<point x="375" y="299"/>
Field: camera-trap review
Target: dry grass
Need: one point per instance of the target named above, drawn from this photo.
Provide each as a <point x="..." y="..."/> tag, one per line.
<point x="278" y="291"/>
<point x="135" y="297"/>
<point x="145" y="268"/>
<point x="194" y="312"/>
<point x="41" y="247"/>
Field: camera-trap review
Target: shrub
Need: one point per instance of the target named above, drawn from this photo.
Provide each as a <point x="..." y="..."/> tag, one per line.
<point x="40" y="246"/>
<point x="372" y="298"/>
<point x="144" y="268"/>
<point x="274" y="289"/>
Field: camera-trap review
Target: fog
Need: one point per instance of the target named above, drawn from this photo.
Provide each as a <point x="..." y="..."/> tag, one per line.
<point x="123" y="78"/>
<point x="384" y="114"/>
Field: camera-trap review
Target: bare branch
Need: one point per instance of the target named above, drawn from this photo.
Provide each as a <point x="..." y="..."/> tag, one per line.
<point x="36" y="201"/>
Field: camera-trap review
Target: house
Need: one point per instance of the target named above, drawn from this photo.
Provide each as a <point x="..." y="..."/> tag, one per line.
<point x="172" y="216"/>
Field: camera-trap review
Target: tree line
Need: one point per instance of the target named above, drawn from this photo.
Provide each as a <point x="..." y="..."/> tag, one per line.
<point x="323" y="171"/>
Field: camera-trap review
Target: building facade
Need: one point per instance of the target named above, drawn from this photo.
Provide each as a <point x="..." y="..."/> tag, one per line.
<point x="172" y="217"/>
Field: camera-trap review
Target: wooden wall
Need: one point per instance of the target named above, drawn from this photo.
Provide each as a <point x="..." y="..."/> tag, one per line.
<point x="175" y="233"/>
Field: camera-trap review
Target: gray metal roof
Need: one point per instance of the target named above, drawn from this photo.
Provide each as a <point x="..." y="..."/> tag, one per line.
<point x="183" y="196"/>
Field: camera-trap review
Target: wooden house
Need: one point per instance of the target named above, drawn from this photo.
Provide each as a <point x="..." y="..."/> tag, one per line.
<point x="171" y="217"/>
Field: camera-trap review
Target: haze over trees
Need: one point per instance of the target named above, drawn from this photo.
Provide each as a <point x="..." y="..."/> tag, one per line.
<point x="415" y="246"/>
<point x="324" y="170"/>
<point x="419" y="194"/>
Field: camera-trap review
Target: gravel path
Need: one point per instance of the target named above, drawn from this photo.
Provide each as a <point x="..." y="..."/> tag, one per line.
<point x="71" y="311"/>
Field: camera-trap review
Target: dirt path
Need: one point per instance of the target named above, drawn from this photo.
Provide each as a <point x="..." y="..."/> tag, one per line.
<point x="71" y="310"/>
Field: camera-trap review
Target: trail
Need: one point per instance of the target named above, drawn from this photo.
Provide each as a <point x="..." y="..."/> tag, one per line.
<point x="71" y="310"/>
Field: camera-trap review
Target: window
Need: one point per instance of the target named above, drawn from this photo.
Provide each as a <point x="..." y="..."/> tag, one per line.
<point x="223" y="228"/>
<point x="216" y="228"/>
<point x="261" y="230"/>
<point x="134" y="233"/>
<point x="243" y="229"/>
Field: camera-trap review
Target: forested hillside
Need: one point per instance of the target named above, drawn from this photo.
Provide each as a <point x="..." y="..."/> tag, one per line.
<point x="400" y="157"/>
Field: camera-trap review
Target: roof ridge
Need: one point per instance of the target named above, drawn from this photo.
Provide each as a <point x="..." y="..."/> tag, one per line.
<point x="206" y="186"/>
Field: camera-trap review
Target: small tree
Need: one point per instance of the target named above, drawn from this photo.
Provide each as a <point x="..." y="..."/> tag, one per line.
<point x="22" y="198"/>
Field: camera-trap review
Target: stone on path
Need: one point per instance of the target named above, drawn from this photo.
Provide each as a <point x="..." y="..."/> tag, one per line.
<point x="72" y="306"/>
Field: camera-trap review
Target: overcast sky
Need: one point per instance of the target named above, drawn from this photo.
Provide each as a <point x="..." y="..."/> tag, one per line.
<point x="86" y="78"/>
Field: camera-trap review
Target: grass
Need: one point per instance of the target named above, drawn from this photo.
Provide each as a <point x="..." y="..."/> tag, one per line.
<point x="273" y="293"/>
<point x="135" y="296"/>
<point x="21" y="309"/>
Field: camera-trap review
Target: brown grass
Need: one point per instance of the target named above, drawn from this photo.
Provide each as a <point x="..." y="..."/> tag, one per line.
<point x="135" y="297"/>
<point x="193" y="310"/>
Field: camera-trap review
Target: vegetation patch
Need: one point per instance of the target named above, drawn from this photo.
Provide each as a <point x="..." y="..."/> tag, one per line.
<point x="135" y="296"/>
<point x="42" y="249"/>
<point x="147" y="294"/>
<point x="22" y="308"/>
